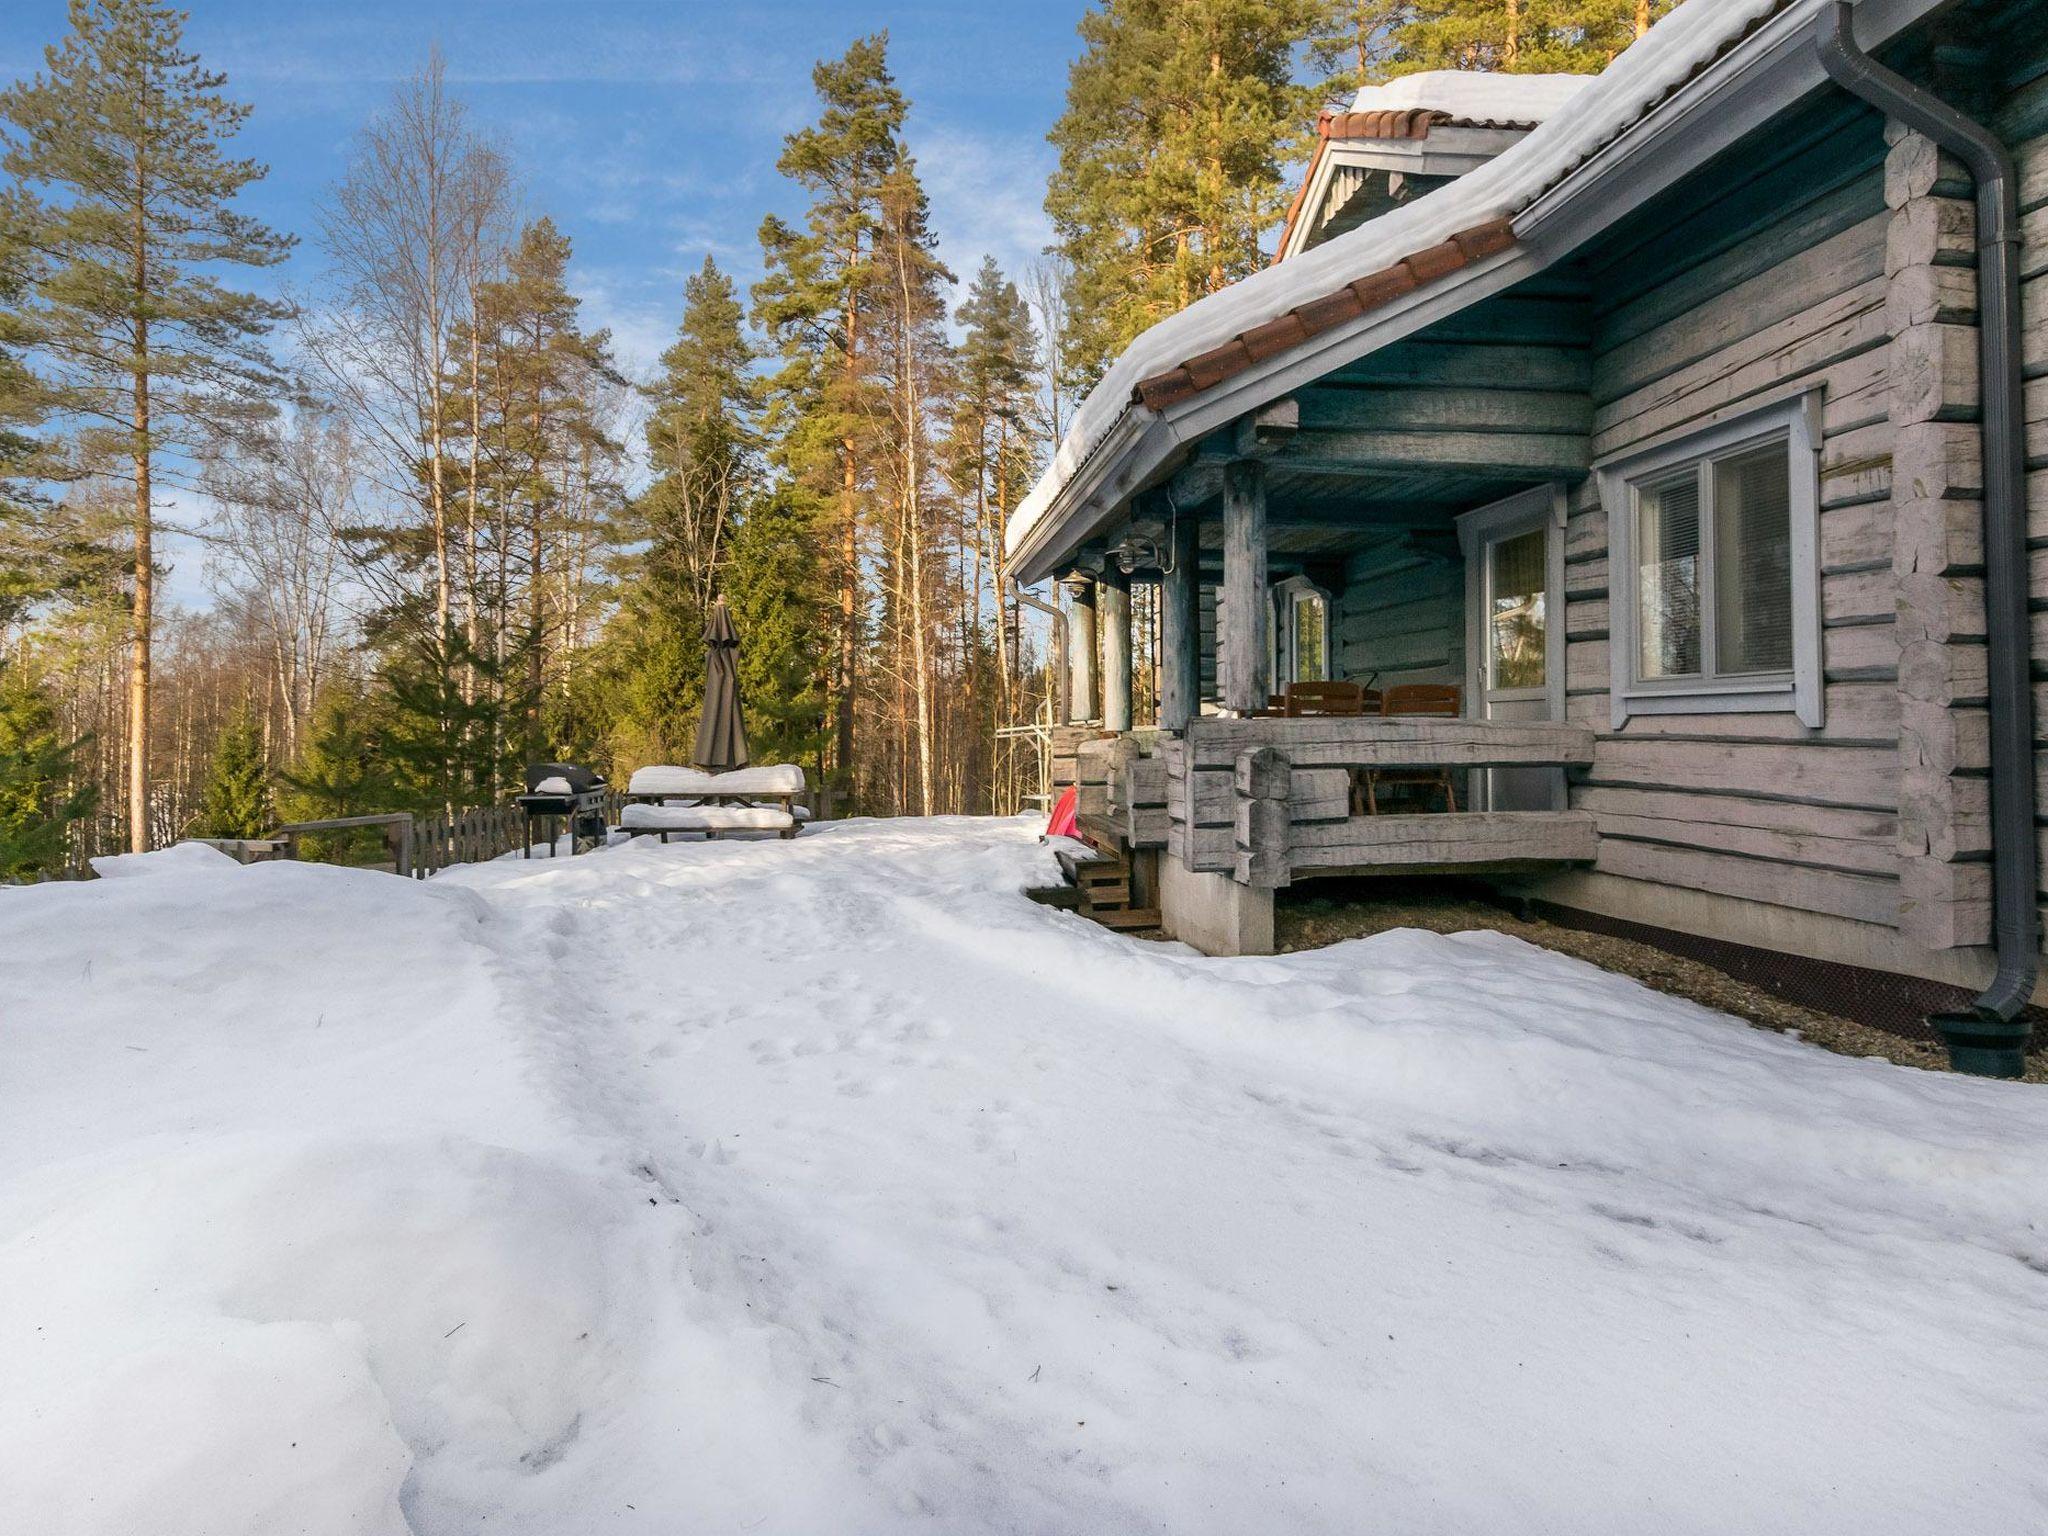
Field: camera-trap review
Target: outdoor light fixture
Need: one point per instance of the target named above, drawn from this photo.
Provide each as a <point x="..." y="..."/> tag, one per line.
<point x="1133" y="552"/>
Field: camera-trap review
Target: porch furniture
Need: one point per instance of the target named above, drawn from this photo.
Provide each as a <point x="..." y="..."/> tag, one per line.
<point x="1434" y="700"/>
<point x="558" y="793"/>
<point x="641" y="817"/>
<point x="664" y="799"/>
<point x="1302" y="699"/>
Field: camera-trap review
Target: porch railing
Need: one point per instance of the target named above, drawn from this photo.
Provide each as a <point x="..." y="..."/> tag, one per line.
<point x="1269" y="800"/>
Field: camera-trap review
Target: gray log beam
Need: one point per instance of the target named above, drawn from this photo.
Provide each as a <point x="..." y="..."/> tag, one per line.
<point x="1180" y="629"/>
<point x="1081" y="644"/>
<point x="1113" y="605"/>
<point x="1261" y="783"/>
<point x="1242" y="652"/>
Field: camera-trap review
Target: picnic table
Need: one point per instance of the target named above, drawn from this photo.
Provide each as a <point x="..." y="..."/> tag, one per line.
<point x="663" y="800"/>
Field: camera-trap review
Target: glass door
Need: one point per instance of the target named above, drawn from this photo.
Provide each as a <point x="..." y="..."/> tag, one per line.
<point x="1514" y="558"/>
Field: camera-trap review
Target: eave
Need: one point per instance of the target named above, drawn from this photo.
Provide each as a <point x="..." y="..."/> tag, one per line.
<point x="1763" y="75"/>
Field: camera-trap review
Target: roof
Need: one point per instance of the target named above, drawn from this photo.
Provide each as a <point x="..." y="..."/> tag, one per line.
<point x="1400" y="255"/>
<point x="1466" y="98"/>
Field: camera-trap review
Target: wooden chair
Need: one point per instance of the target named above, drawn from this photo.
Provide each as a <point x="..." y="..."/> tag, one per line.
<point x="1441" y="700"/>
<point x="1327" y="698"/>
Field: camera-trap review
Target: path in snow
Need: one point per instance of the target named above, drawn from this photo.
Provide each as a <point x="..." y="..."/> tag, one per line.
<point x="830" y="1185"/>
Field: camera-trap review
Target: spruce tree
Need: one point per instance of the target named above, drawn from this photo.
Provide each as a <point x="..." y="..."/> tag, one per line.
<point x="777" y="580"/>
<point x="340" y="772"/>
<point x="816" y="304"/>
<point x="703" y="445"/>
<point x="236" y="802"/>
<point x="1171" y="151"/>
<point x="126" y="134"/>
<point x="39" y="797"/>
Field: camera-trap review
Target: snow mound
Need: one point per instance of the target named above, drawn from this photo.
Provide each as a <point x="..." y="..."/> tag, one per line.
<point x="1679" y="45"/>
<point x="178" y="859"/>
<point x="832" y="1185"/>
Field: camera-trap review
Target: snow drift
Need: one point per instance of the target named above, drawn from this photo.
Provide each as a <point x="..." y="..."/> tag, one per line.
<point x="833" y="1186"/>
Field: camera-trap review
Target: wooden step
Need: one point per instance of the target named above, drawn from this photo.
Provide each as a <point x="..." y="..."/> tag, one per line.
<point x="1127" y="919"/>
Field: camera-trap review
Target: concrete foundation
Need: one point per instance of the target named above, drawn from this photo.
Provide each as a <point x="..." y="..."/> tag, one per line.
<point x="1213" y="912"/>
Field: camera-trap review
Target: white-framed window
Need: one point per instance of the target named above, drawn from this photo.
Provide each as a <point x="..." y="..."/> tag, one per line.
<point x="1713" y="568"/>
<point x="1301" y="632"/>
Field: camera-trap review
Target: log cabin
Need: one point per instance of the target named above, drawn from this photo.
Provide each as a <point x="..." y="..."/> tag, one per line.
<point x="1658" y="481"/>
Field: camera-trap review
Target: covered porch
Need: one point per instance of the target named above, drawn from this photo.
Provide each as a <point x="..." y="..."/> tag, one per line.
<point x="1394" y="527"/>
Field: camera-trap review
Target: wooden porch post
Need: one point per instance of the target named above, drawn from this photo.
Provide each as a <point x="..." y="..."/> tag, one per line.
<point x="1113" y="600"/>
<point x="1081" y="648"/>
<point x="1242" y="648"/>
<point x="1180" y="630"/>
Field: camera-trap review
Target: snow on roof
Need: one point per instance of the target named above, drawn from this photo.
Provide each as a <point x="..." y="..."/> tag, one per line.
<point x="1676" y="48"/>
<point x="1474" y="96"/>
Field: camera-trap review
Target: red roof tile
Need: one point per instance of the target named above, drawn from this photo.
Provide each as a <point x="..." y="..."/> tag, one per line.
<point x="1297" y="325"/>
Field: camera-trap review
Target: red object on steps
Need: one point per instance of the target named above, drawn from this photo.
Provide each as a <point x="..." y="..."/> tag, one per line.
<point x="1065" y="822"/>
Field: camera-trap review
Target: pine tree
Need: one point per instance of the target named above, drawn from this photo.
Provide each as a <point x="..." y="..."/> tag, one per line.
<point x="1377" y="39"/>
<point x="1170" y="157"/>
<point x="128" y="130"/>
<point x="543" y="374"/>
<point x="237" y="797"/>
<point x="816" y="305"/>
<point x="911" y="354"/>
<point x="991" y="445"/>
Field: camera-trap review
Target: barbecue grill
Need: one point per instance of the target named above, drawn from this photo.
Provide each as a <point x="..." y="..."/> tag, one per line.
<point x="559" y="792"/>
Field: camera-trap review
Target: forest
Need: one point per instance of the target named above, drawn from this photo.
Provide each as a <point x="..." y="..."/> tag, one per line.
<point x="444" y="532"/>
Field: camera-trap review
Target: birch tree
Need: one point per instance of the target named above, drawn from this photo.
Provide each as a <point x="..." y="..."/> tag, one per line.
<point x="285" y="497"/>
<point x="407" y="234"/>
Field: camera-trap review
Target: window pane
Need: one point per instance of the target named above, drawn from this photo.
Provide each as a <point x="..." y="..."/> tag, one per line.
<point x="1668" y="578"/>
<point x="1311" y="635"/>
<point x="1753" y="562"/>
<point x="1516" y="616"/>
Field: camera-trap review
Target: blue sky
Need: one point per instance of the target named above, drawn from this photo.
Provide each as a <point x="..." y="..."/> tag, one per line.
<point x="647" y="128"/>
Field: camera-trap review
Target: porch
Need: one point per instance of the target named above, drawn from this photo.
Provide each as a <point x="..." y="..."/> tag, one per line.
<point x="1210" y="822"/>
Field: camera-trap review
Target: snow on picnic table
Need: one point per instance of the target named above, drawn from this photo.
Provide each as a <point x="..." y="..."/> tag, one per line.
<point x="832" y="1186"/>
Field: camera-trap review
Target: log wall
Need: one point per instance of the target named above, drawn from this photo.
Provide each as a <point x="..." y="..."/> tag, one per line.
<point x="1401" y="616"/>
<point x="1773" y="277"/>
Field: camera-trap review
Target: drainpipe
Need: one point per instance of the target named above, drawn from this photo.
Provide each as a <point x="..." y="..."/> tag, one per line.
<point x="1989" y="1037"/>
<point x="1059" y="648"/>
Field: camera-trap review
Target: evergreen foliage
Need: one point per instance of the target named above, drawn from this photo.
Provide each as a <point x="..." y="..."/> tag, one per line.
<point x="1178" y="118"/>
<point x="1383" y="38"/>
<point x="703" y="444"/>
<point x="816" y="304"/>
<point x="38" y="800"/>
<point x="777" y="583"/>
<point x="237" y="801"/>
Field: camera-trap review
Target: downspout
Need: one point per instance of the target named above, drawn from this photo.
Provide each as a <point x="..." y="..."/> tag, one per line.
<point x="1059" y="647"/>
<point x="1989" y="1037"/>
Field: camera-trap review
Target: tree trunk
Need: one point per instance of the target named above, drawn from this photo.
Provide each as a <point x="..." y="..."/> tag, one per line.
<point x="142" y="617"/>
<point x="849" y="556"/>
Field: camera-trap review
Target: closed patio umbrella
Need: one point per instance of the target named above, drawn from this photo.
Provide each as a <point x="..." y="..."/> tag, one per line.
<point x="721" y="736"/>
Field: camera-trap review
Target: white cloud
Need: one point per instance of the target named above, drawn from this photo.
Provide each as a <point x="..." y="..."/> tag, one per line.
<point x="987" y="196"/>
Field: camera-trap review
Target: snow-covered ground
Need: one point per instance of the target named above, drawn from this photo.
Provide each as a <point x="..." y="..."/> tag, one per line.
<point x="832" y="1186"/>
